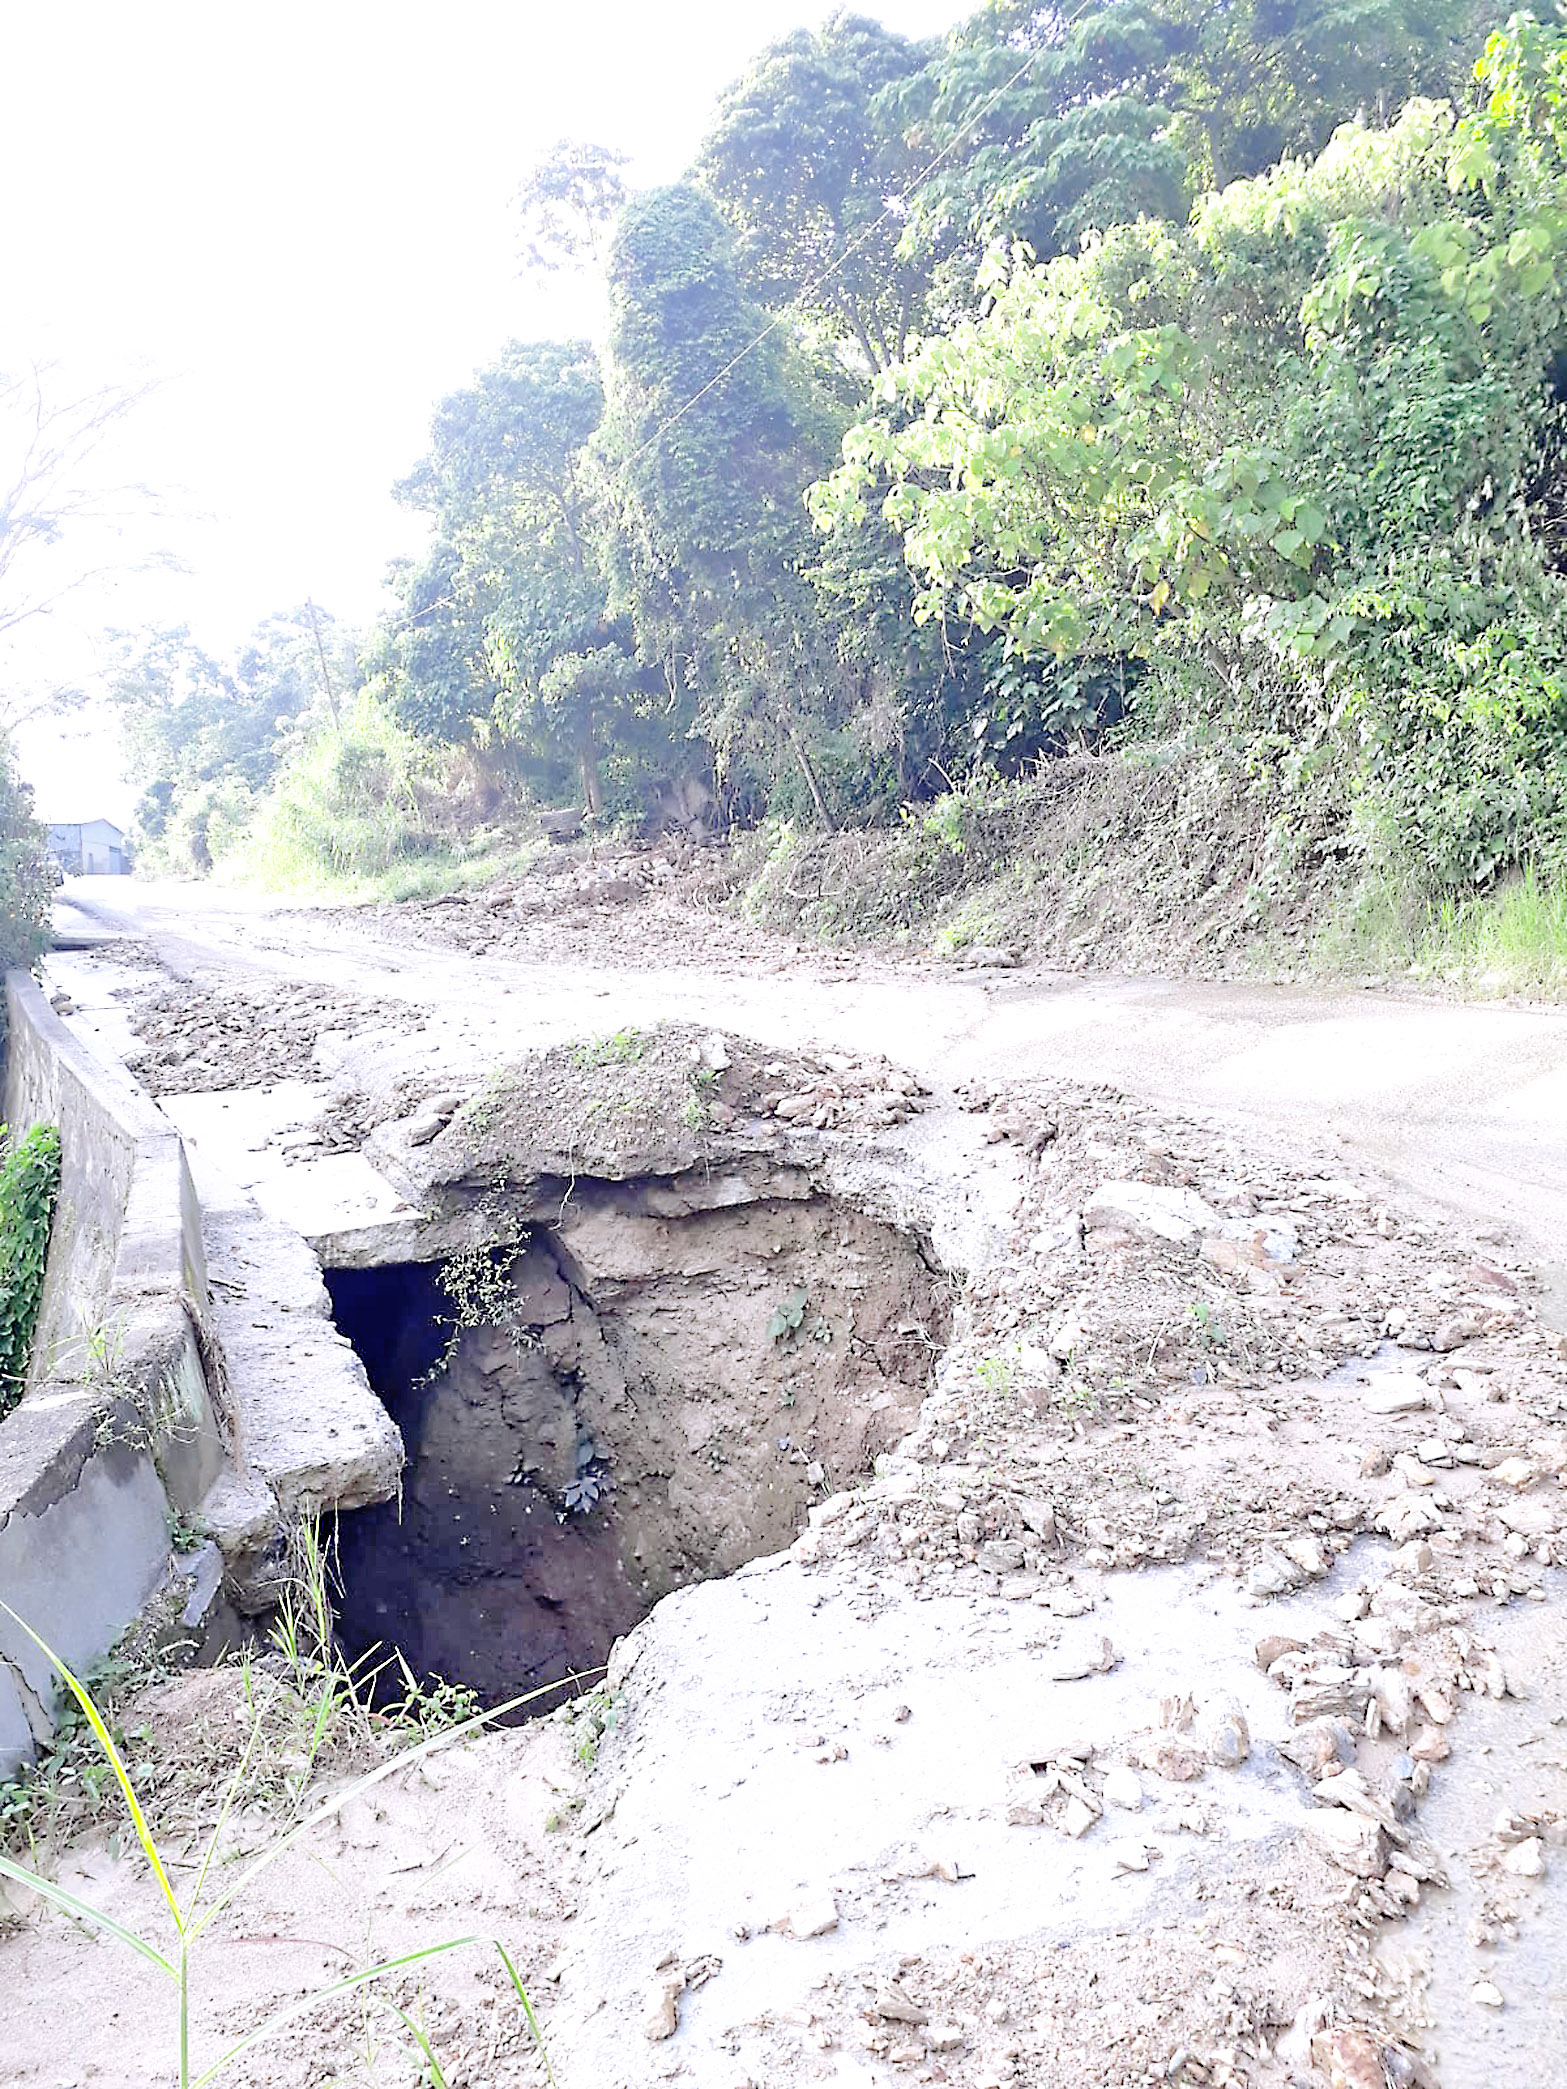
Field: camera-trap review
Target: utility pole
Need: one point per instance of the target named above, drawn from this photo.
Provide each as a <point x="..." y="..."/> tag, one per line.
<point x="326" y="679"/>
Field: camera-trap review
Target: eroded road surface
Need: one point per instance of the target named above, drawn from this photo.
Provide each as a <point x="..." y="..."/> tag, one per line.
<point x="1179" y="1697"/>
<point x="1465" y="1103"/>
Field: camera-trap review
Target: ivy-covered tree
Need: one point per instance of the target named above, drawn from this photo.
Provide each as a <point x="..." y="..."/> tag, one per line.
<point x="430" y="661"/>
<point x="803" y="164"/>
<point x="508" y="631"/>
<point x="711" y="436"/>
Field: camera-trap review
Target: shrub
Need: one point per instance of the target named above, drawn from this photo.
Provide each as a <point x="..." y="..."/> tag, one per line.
<point x="29" y="1183"/>
<point x="24" y="874"/>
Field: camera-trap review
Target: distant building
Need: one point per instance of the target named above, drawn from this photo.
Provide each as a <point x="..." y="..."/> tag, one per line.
<point x="90" y="848"/>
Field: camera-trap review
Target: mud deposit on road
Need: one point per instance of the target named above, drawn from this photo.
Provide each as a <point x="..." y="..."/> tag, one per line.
<point x="252" y="1032"/>
<point x="1166" y="1685"/>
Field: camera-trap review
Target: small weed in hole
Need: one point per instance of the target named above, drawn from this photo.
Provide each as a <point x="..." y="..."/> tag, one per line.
<point x="591" y="1482"/>
<point x="478" y="1283"/>
<point x="430" y="1707"/>
<point x="789" y="1318"/>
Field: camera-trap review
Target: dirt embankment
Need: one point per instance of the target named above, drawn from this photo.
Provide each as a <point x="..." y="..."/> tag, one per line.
<point x="1148" y="861"/>
<point x="1152" y="860"/>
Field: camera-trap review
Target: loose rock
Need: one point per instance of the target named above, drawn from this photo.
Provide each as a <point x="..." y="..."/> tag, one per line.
<point x="811" y="1918"/>
<point x="662" y="2017"/>
<point x="1351" y="1841"/>
<point x="1123" y="1788"/>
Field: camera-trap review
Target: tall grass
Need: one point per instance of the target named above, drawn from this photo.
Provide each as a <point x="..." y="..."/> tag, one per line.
<point x="1510" y="940"/>
<point x="351" y="803"/>
<point x="366" y="810"/>
<point x="322" y="1701"/>
<point x="188" y="1919"/>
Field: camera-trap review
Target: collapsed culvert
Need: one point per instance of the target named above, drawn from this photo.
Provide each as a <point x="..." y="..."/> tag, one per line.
<point x="620" y="1386"/>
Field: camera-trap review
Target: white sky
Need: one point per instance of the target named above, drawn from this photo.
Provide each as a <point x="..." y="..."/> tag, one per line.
<point x="296" y="219"/>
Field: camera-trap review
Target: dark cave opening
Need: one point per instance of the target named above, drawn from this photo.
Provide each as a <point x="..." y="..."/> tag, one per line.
<point x="478" y="1575"/>
<point x="635" y="1414"/>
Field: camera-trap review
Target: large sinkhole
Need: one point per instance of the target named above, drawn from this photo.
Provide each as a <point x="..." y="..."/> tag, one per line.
<point x="653" y="1399"/>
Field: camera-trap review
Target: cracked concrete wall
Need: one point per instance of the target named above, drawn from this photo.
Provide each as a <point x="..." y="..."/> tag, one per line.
<point x="126" y="1217"/>
<point x="83" y="1543"/>
<point x="118" y="1419"/>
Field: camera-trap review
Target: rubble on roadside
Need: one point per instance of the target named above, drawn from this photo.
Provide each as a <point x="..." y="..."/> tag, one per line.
<point x="191" y="1040"/>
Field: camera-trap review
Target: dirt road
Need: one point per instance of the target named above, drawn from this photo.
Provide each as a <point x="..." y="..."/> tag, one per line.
<point x="1463" y="1103"/>
<point x="1178" y="1701"/>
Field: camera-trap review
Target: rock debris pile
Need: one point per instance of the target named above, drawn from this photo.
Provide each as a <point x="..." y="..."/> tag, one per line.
<point x="1190" y="1353"/>
<point x="253" y="1032"/>
<point x="615" y="902"/>
<point x="837" y="1091"/>
<point x="656" y="1101"/>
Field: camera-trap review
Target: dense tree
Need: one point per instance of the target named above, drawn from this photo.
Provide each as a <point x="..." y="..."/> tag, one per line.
<point x="508" y="629"/>
<point x="203" y="735"/>
<point x="1052" y="125"/>
<point x="1045" y="127"/>
<point x="1297" y="460"/>
<point x="1254" y="80"/>
<point x="804" y="165"/>
<point x="431" y="660"/>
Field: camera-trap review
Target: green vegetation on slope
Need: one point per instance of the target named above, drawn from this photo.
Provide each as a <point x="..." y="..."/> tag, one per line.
<point x="1301" y="459"/>
<point x="29" y="1185"/>
<point x="1204" y="393"/>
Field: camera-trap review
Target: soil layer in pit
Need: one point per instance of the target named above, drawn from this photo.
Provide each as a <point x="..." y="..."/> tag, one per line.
<point x="653" y="1401"/>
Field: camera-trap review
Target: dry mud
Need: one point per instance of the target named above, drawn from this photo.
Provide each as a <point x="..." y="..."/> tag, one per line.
<point x="1178" y="1693"/>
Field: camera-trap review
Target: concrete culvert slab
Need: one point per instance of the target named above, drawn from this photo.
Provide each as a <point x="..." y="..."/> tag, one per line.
<point x="652" y="1397"/>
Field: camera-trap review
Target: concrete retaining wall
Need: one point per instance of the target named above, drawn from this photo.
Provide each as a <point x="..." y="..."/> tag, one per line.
<point x="118" y="1422"/>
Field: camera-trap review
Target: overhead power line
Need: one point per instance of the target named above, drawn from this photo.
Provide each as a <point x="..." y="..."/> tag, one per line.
<point x="893" y="204"/>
